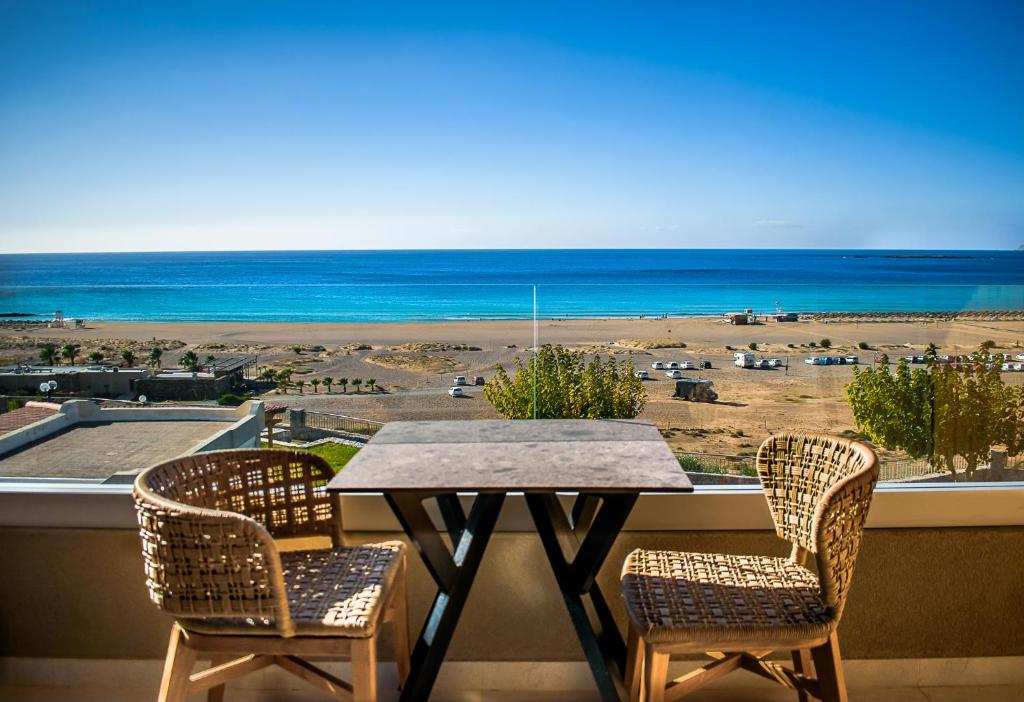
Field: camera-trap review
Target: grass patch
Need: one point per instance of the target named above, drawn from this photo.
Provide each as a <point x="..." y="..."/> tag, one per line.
<point x="335" y="454"/>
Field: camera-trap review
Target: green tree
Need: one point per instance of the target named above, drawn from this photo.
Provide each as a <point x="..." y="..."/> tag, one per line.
<point x="297" y="350"/>
<point x="315" y="382"/>
<point x="940" y="412"/>
<point x="70" y="351"/>
<point x="567" y="386"/>
<point x="95" y="357"/>
<point x="300" y="384"/>
<point x="343" y="382"/>
<point x="128" y="356"/>
<point x="752" y="346"/>
<point x="328" y="382"/>
<point x="825" y="343"/>
<point x="48" y="354"/>
<point x="189" y="361"/>
<point x="155" y="354"/>
<point x="268" y="375"/>
<point x="356" y="382"/>
<point x="210" y="360"/>
<point x="372" y="382"/>
<point x="932" y="349"/>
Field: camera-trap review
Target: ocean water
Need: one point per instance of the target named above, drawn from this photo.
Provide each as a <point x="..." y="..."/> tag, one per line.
<point x="443" y="285"/>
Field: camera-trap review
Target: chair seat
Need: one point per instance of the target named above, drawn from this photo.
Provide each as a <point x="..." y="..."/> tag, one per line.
<point x="338" y="591"/>
<point x="720" y="602"/>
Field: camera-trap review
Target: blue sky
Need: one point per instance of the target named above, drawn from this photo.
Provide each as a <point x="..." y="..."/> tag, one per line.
<point x="146" y="126"/>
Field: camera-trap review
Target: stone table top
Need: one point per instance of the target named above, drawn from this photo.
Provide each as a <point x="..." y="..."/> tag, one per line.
<point x="563" y="455"/>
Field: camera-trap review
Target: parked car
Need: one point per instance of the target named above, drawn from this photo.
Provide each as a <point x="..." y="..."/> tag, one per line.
<point x="762" y="363"/>
<point x="853" y="360"/>
<point x="673" y="365"/>
<point x="674" y="374"/>
<point x="658" y="365"/>
<point x="455" y="391"/>
<point x="459" y="380"/>
<point x="686" y="365"/>
<point x="775" y="363"/>
<point x="1020" y="356"/>
<point x="744" y="359"/>
<point x="705" y="364"/>
<point x="642" y="374"/>
<point x="479" y="380"/>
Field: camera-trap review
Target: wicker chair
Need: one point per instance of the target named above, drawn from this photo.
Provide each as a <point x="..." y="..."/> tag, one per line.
<point x="208" y="524"/>
<point x="740" y="609"/>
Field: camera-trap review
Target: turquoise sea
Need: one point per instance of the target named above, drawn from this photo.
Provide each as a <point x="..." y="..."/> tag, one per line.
<point x="490" y="284"/>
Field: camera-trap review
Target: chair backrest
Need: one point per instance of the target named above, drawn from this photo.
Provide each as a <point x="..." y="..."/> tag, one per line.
<point x="819" y="490"/>
<point x="207" y="523"/>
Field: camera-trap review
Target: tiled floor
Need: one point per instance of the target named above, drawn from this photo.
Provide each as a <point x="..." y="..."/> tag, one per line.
<point x="769" y="694"/>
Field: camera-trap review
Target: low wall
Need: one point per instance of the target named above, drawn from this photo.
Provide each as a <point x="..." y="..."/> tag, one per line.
<point x="184" y="389"/>
<point x="917" y="593"/>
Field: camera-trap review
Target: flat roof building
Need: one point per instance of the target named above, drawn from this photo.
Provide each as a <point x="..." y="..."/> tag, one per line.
<point x="83" y="441"/>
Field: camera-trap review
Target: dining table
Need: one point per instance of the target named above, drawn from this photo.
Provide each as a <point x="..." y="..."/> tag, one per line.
<point x="603" y="465"/>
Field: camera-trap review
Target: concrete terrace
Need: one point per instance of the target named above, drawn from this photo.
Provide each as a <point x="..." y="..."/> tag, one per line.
<point x="99" y="449"/>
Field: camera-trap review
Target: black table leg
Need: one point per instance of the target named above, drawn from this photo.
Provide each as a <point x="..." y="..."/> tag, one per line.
<point x="453" y="571"/>
<point x="576" y="574"/>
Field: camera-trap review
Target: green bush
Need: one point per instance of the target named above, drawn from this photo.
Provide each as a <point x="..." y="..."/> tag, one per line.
<point x="825" y="343"/>
<point x="567" y="386"/>
<point x="231" y="399"/>
<point x="863" y="345"/>
<point x="752" y="346"/>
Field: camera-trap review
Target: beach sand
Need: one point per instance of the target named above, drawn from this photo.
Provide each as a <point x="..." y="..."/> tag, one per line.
<point x="414" y="362"/>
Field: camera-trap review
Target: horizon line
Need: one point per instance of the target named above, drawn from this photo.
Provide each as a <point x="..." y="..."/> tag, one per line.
<point x="510" y="249"/>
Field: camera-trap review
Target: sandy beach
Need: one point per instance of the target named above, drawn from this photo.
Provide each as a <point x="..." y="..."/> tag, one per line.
<point x="414" y="363"/>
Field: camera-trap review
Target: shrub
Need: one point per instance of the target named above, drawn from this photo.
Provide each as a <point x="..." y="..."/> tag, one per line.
<point x="567" y="386"/>
<point x="825" y="343"/>
<point x="729" y="348"/>
<point x="752" y="346"/>
<point x="987" y="346"/>
<point x="863" y="345"/>
<point x="792" y="346"/>
<point x="231" y="399"/>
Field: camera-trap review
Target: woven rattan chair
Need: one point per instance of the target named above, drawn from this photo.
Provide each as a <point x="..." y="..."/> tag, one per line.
<point x="740" y="609"/>
<point x="208" y="524"/>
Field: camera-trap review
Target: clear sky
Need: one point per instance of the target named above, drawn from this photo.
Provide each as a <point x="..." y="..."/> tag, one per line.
<point x="252" y="125"/>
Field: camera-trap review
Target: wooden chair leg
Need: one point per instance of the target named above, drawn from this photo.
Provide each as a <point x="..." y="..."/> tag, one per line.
<point x="177" y="668"/>
<point x="655" y="674"/>
<point x="829" y="668"/>
<point x="802" y="664"/>
<point x="634" y="664"/>
<point x="400" y="627"/>
<point x="364" y="670"/>
<point x="216" y="694"/>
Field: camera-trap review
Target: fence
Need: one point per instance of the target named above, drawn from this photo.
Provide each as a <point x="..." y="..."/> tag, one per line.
<point x="716" y="463"/>
<point x="325" y="421"/>
<point x="904" y="469"/>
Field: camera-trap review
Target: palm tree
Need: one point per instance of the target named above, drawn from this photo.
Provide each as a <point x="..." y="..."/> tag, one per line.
<point x="284" y="379"/>
<point x="95" y="357"/>
<point x="268" y="375"/>
<point x="69" y="351"/>
<point x="343" y="382"/>
<point x="371" y="382"/>
<point x="210" y="360"/>
<point x="129" y="357"/>
<point x="315" y="382"/>
<point x="328" y="382"/>
<point x="48" y="354"/>
<point x="154" y="357"/>
<point x="300" y="384"/>
<point x="356" y="382"/>
<point x="189" y="361"/>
